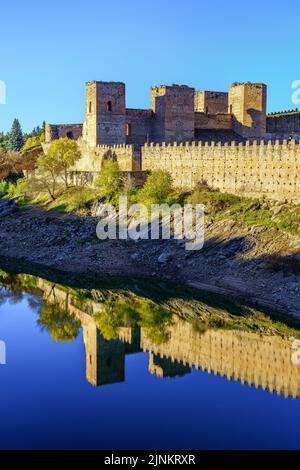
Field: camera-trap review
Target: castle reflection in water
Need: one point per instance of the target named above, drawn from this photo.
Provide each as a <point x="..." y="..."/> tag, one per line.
<point x="254" y="359"/>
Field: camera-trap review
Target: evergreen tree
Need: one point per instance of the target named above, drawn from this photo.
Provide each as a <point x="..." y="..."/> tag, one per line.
<point x="4" y="138"/>
<point x="16" y="137"/>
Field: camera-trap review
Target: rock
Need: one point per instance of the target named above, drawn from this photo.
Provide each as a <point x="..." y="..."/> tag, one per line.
<point x="277" y="210"/>
<point x="135" y="256"/>
<point x="165" y="257"/>
<point x="7" y="207"/>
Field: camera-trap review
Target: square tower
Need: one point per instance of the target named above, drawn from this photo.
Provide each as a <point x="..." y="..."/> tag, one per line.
<point x="174" y="113"/>
<point x="105" y="113"/>
<point x="248" y="105"/>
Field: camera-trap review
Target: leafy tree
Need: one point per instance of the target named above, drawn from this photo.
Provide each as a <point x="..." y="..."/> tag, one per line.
<point x="32" y="142"/>
<point x="109" y="181"/>
<point x="54" y="166"/>
<point x="15" y="137"/>
<point x="50" y="169"/>
<point x="157" y="189"/>
<point x="64" y="151"/>
<point x="14" y="164"/>
<point x="134" y="312"/>
<point x="60" y="324"/>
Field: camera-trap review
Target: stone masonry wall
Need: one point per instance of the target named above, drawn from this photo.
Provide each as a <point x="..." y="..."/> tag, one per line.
<point x="211" y="102"/>
<point x="284" y="124"/>
<point x="57" y="131"/>
<point x="92" y="158"/>
<point x="250" y="169"/>
<point x="213" y="121"/>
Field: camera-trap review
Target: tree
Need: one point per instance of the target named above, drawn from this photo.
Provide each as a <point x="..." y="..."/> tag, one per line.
<point x="16" y="137"/>
<point x="4" y="140"/>
<point x="109" y="181"/>
<point x="50" y="169"/>
<point x="58" y="322"/>
<point x="32" y="142"/>
<point x="157" y="189"/>
<point x="64" y="153"/>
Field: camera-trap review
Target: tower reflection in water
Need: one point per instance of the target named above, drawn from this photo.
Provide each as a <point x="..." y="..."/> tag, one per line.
<point x="261" y="359"/>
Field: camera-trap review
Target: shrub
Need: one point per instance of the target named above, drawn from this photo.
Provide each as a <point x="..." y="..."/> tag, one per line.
<point x="109" y="181"/>
<point x="158" y="188"/>
<point x="74" y="199"/>
<point x="3" y="188"/>
<point x="18" y="190"/>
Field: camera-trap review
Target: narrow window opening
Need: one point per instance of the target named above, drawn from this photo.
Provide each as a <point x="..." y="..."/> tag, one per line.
<point x="109" y="106"/>
<point x="90" y="107"/>
<point x="128" y="129"/>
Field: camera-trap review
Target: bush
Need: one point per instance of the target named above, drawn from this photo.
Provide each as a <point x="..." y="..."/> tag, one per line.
<point x="109" y="181"/>
<point x="158" y="188"/>
<point x="74" y="199"/>
<point x="3" y="188"/>
<point x="18" y="190"/>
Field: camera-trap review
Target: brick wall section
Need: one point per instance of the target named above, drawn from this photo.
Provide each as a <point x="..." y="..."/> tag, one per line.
<point x="251" y="170"/>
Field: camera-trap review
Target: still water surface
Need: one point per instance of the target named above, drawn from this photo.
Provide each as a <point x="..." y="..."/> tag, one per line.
<point x="113" y="369"/>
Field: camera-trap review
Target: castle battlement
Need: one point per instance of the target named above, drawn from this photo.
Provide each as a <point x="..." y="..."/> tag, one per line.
<point x="233" y="143"/>
<point x="223" y="138"/>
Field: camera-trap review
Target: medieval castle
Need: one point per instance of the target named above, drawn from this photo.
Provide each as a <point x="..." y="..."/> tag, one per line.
<point x="225" y="139"/>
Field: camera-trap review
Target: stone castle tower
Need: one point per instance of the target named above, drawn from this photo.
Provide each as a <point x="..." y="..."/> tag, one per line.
<point x="178" y="113"/>
<point x="105" y="113"/>
<point x="248" y="106"/>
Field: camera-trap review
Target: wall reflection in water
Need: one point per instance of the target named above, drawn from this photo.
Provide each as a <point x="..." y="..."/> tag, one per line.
<point x="259" y="359"/>
<point x="260" y="355"/>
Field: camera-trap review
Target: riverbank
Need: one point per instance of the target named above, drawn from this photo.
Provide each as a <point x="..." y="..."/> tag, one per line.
<point x="257" y="264"/>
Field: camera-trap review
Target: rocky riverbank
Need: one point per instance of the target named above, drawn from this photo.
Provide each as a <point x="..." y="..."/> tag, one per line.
<point x="258" y="264"/>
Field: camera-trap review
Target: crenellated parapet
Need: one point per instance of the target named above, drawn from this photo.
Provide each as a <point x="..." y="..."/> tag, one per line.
<point x="251" y="168"/>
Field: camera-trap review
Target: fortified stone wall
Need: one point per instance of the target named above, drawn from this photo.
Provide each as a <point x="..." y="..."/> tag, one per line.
<point x="211" y="102"/>
<point x="248" y="169"/>
<point x="138" y="126"/>
<point x="56" y="131"/>
<point x="284" y="124"/>
<point x="213" y="121"/>
<point x="92" y="158"/>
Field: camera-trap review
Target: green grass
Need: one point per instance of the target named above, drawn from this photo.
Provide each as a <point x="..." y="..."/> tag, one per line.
<point x="246" y="211"/>
<point x="74" y="199"/>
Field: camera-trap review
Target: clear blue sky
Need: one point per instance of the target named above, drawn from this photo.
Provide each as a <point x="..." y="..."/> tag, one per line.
<point x="49" y="49"/>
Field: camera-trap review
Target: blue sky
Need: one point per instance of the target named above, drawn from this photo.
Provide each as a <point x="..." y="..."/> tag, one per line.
<point x="50" y="49"/>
